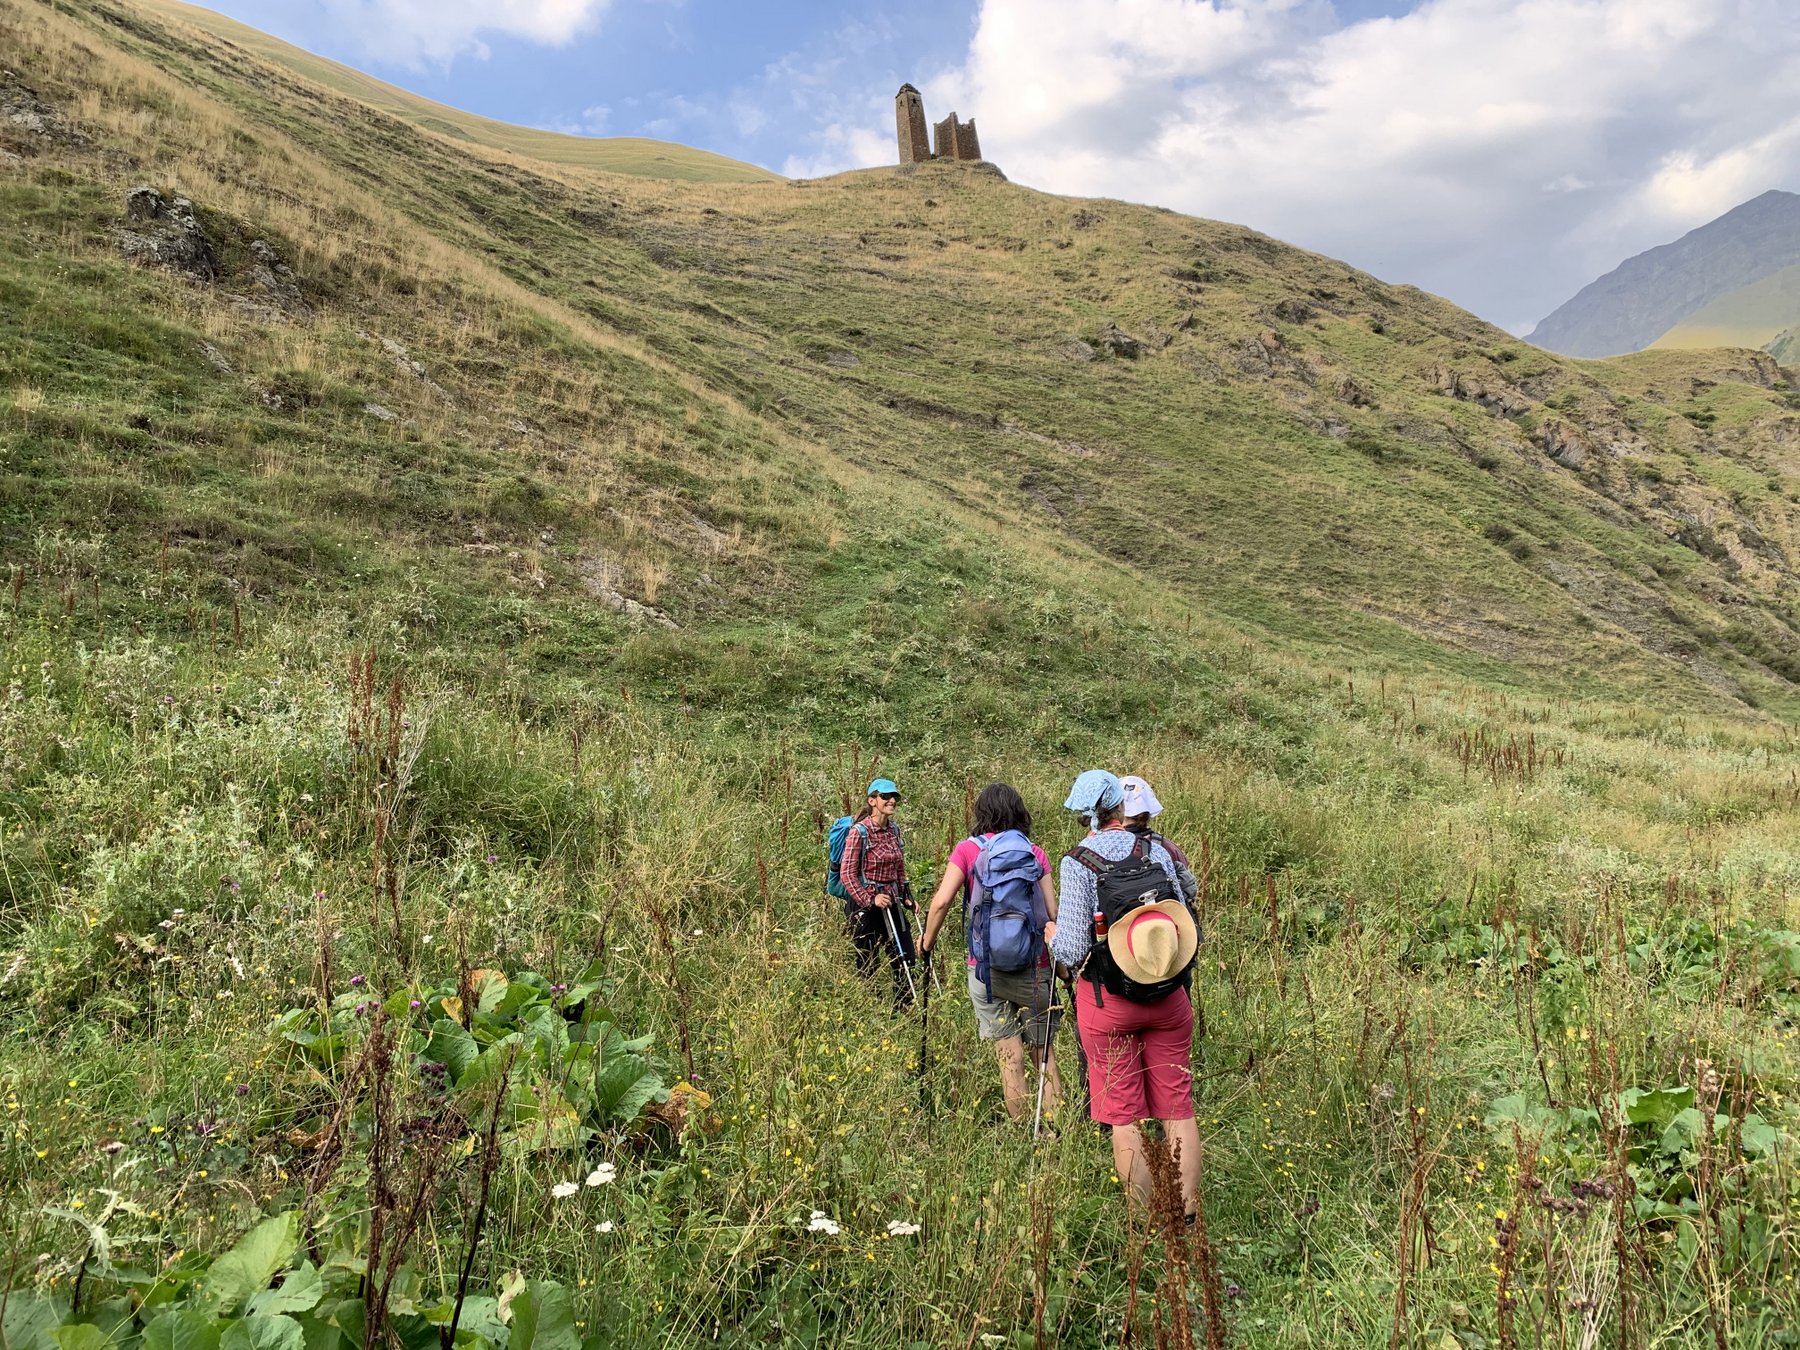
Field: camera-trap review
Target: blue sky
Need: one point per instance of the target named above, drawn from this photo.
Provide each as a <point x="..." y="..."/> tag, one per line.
<point x="1499" y="152"/>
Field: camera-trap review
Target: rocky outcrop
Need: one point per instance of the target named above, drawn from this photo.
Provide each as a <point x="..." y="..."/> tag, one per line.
<point x="1120" y="343"/>
<point x="28" y="124"/>
<point x="161" y="232"/>
<point x="1500" y="399"/>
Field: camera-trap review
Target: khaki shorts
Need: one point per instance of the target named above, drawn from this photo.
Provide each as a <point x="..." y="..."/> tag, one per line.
<point x="1022" y="1005"/>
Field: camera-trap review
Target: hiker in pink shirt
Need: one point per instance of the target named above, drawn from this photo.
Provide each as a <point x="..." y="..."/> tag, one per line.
<point x="1012" y="1007"/>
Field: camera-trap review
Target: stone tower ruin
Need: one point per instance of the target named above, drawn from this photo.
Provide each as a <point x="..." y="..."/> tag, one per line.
<point x="909" y="120"/>
<point x="955" y="139"/>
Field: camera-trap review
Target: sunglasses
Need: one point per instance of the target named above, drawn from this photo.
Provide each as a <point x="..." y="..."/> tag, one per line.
<point x="888" y="796"/>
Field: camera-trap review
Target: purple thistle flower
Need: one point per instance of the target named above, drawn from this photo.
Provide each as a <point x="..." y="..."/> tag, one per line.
<point x="241" y="1090"/>
<point x="493" y="857"/>
<point x="356" y="981"/>
<point x="415" y="1005"/>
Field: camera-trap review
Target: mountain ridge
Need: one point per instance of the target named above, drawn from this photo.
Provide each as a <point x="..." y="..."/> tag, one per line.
<point x="1645" y="296"/>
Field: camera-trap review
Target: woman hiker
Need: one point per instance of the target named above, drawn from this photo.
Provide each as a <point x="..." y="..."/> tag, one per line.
<point x="873" y="874"/>
<point x="1140" y="807"/>
<point x="1139" y="1052"/>
<point x="1013" y="1008"/>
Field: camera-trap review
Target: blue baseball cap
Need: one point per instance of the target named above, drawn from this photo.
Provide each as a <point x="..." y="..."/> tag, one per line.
<point x="884" y="785"/>
<point x="1095" y="790"/>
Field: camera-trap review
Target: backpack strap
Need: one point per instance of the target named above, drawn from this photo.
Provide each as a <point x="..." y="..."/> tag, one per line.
<point x="1089" y="859"/>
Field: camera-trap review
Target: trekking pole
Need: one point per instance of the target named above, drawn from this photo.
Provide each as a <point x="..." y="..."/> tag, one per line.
<point x="1037" y="1115"/>
<point x="900" y="953"/>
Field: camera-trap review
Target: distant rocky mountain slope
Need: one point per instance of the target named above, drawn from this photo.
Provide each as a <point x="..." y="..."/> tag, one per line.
<point x="781" y="443"/>
<point x="1643" y="298"/>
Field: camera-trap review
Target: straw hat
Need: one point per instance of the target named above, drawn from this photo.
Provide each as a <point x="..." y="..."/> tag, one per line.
<point x="1154" y="942"/>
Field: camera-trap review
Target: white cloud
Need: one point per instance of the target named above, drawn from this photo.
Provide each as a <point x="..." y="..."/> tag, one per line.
<point x="419" y="33"/>
<point x="1501" y="152"/>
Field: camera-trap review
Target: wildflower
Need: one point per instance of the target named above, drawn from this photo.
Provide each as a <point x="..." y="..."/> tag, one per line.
<point x="493" y="857"/>
<point x="604" y="1226"/>
<point x="603" y="1175"/>
<point x="1233" y="1289"/>
<point x="821" y="1224"/>
<point x="415" y="1005"/>
<point x="900" y="1228"/>
<point x="564" y="1189"/>
<point x="356" y="981"/>
<point x="241" y="1090"/>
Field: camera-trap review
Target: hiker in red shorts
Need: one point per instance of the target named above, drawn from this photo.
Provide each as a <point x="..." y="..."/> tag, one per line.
<point x="1131" y="938"/>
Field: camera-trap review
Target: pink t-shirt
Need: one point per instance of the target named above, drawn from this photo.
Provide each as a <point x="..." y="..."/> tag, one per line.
<point x="963" y="857"/>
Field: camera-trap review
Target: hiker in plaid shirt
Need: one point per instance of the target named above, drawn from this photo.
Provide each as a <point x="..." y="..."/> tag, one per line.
<point x="873" y="873"/>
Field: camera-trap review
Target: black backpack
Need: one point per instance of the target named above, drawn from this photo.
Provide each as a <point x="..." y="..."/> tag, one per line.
<point x="1120" y="887"/>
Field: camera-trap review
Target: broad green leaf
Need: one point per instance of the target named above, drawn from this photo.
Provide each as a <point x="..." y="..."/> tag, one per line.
<point x="248" y="1267"/>
<point x="517" y="998"/>
<point x="320" y="1334"/>
<point x="80" y="1336"/>
<point x="263" y="1333"/>
<point x="31" y="1319"/>
<point x="543" y="1319"/>
<point x="182" y="1329"/>
<point x="299" y="1292"/>
<point x="481" y="1317"/>
<point x="1760" y="1137"/>
<point x="490" y="987"/>
<point x="622" y="1087"/>
<point x="550" y="1034"/>
<point x="453" y="1047"/>
<point x="489" y="1064"/>
<point x="1656" y="1107"/>
<point x="398" y="1004"/>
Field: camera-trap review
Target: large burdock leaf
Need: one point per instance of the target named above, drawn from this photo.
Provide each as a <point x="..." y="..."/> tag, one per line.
<point x="182" y="1329"/>
<point x="299" y="1292"/>
<point x="248" y="1267"/>
<point x="543" y="1319"/>
<point x="81" y="1336"/>
<point x="263" y="1333"/>
<point x="30" y="1320"/>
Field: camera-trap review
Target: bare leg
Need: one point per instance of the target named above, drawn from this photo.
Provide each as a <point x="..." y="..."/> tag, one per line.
<point x="1130" y="1163"/>
<point x="1185" y="1135"/>
<point x="1011" y="1054"/>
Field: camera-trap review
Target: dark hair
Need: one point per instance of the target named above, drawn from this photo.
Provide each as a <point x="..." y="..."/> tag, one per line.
<point x="1109" y="815"/>
<point x="1000" y="808"/>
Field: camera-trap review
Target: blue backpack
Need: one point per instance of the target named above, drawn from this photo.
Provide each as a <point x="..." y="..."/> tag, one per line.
<point x="834" y="853"/>
<point x="1006" y="912"/>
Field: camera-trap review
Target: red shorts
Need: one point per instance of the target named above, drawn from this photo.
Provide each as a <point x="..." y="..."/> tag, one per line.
<point x="1139" y="1055"/>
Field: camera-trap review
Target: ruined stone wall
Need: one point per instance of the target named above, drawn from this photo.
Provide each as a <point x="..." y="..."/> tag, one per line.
<point x="956" y="140"/>
<point x="909" y="125"/>
<point x="967" y="145"/>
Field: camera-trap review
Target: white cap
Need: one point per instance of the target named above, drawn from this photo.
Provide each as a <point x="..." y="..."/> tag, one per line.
<point x="1139" y="799"/>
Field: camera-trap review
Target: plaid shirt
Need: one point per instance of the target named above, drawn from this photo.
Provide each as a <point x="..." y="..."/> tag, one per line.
<point x="866" y="872"/>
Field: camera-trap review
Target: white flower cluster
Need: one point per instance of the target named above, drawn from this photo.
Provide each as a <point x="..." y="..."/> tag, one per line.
<point x="603" y="1175"/>
<point x="821" y="1224"/>
<point x="901" y="1228"/>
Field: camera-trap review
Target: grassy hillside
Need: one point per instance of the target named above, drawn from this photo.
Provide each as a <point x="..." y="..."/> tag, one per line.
<point x="473" y="564"/>
<point x="611" y="154"/>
